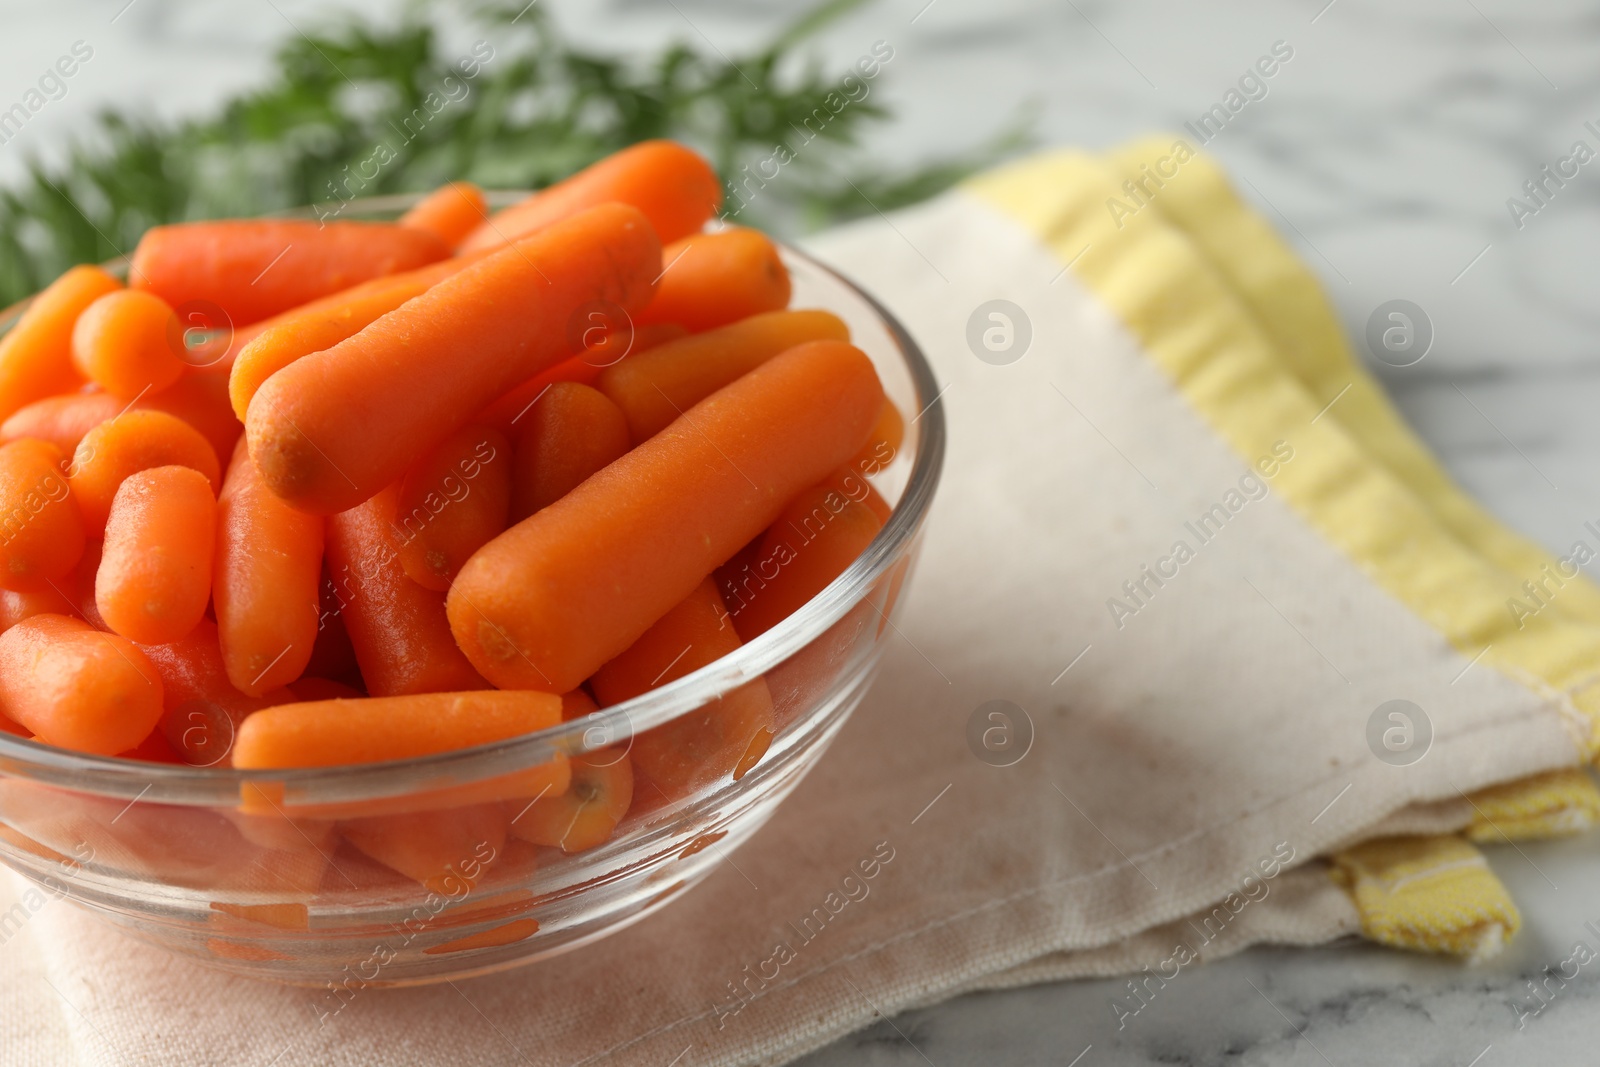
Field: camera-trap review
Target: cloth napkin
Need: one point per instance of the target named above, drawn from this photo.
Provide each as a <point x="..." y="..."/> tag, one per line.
<point x="1203" y="651"/>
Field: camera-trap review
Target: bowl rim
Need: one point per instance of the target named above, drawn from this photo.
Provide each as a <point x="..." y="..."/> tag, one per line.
<point x="221" y="787"/>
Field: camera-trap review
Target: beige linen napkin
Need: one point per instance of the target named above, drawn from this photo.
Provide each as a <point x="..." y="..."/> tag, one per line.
<point x="1181" y="738"/>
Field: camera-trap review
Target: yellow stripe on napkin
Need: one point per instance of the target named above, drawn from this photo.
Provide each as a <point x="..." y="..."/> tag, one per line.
<point x="1431" y="894"/>
<point x="1547" y="805"/>
<point x="1227" y="366"/>
<point x="1286" y="299"/>
<point x="1241" y="328"/>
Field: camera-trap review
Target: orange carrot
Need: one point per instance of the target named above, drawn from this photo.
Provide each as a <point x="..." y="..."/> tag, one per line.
<point x="847" y="482"/>
<point x="551" y="599"/>
<point x="604" y="346"/>
<point x="155" y="573"/>
<point x="450" y="212"/>
<point x="887" y="436"/>
<point x="577" y="703"/>
<point x="675" y="188"/>
<point x="452" y="503"/>
<point x="571" y="432"/>
<point x="726" y="737"/>
<point x="36" y="355"/>
<point x="201" y="710"/>
<point x="254" y="268"/>
<point x="78" y="586"/>
<point x="332" y="656"/>
<point x="331" y="429"/>
<point x="401" y="637"/>
<point x="585" y="815"/>
<point x="323" y="323"/>
<point x="446" y="851"/>
<point x="655" y="387"/>
<point x="153" y="749"/>
<point x="268" y="570"/>
<point x="41" y="529"/>
<point x="510" y="409"/>
<point x="61" y="420"/>
<point x="203" y="337"/>
<point x="52" y="600"/>
<point x="200" y="398"/>
<point x="819" y="534"/>
<point x="135" y="441"/>
<point x="122" y="342"/>
<point x="77" y="688"/>
<point x="712" y="279"/>
<point x="332" y="733"/>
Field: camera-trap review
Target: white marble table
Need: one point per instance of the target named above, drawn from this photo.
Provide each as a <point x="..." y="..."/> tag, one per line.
<point x="1386" y="148"/>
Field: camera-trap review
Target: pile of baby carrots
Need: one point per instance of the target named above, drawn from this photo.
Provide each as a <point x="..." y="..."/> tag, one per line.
<point x="310" y="494"/>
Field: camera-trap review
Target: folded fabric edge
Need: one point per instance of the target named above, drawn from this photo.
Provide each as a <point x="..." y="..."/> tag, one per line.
<point x="1430" y="894"/>
<point x="1556" y="804"/>
<point x="1033" y="193"/>
<point x="1170" y="298"/>
<point x="1300" y="907"/>
<point x="1287" y="302"/>
<point x="1285" y="297"/>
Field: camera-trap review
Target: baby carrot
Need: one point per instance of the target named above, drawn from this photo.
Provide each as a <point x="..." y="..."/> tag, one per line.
<point x="451" y="504"/>
<point x="254" y="268"/>
<point x="675" y="188"/>
<point x="551" y="599"/>
<point x="135" y="441"/>
<point x="819" y="534"/>
<point x="200" y="398"/>
<point x="450" y="212"/>
<point x="601" y="349"/>
<point x="655" y="387"/>
<point x="265" y="590"/>
<point x="887" y="435"/>
<point x="201" y="710"/>
<point x="122" y="343"/>
<point x="401" y="637"/>
<point x="61" y="420"/>
<point x="41" y="529"/>
<point x="577" y="703"/>
<point x="36" y="355"/>
<point x="332" y="733"/>
<point x="446" y="851"/>
<point x="153" y="749"/>
<point x="712" y="279"/>
<point x="78" y="586"/>
<point x="569" y="433"/>
<point x="15" y="606"/>
<point x="155" y="571"/>
<point x="510" y="409"/>
<point x="725" y="737"/>
<point x="323" y="323"/>
<point x="76" y="687"/>
<point x="332" y="656"/>
<point x="331" y="429"/>
<point x="850" y="483"/>
<point x="599" y="795"/>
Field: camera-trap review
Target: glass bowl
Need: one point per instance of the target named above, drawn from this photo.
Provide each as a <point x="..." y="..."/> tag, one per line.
<point x="252" y="872"/>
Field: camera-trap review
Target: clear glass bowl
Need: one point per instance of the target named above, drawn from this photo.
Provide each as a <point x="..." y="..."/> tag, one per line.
<point x="196" y="861"/>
